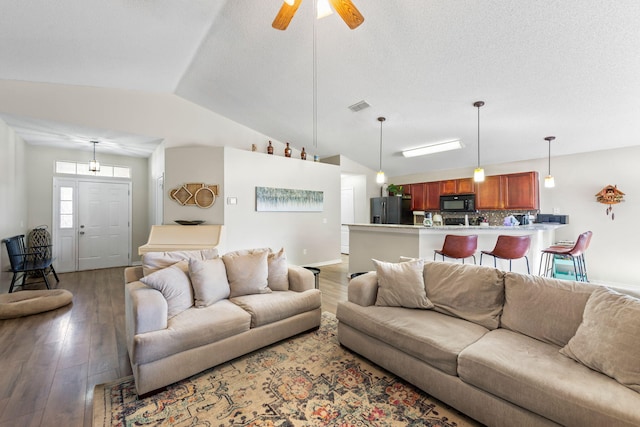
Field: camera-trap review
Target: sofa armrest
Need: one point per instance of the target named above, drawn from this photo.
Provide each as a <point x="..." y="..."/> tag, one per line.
<point x="145" y="309"/>
<point x="133" y="274"/>
<point x="300" y="279"/>
<point x="363" y="289"/>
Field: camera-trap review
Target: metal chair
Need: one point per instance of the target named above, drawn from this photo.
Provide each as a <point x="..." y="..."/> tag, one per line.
<point x="576" y="253"/>
<point x="458" y="247"/>
<point x="510" y="247"/>
<point x="36" y="259"/>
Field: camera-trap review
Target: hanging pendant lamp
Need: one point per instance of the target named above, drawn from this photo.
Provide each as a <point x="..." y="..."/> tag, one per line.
<point x="94" y="165"/>
<point x="478" y="173"/>
<point x="380" y="178"/>
<point x="549" y="181"/>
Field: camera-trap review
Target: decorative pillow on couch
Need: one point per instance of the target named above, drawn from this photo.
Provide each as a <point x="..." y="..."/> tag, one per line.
<point x="278" y="268"/>
<point x="174" y="284"/>
<point x="607" y="338"/>
<point x="154" y="261"/>
<point x="247" y="272"/>
<point x="209" y="281"/>
<point x="401" y="284"/>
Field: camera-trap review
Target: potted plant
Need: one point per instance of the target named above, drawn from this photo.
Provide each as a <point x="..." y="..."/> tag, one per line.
<point x="395" y="190"/>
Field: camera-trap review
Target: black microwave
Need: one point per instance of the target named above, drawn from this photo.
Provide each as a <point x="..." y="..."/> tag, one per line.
<point x="458" y="203"/>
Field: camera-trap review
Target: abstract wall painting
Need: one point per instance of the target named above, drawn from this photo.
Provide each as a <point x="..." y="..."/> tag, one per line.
<point x="270" y="199"/>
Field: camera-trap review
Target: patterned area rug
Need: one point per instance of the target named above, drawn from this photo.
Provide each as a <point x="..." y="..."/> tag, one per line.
<point x="308" y="380"/>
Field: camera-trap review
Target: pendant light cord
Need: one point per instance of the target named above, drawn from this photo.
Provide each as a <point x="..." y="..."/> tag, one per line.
<point x="549" y="157"/>
<point x="315" y="80"/>
<point x="479" y="135"/>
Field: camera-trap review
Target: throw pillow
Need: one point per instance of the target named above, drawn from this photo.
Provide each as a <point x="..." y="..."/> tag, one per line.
<point x="247" y="273"/>
<point x="154" y="261"/>
<point x="173" y="282"/>
<point x="209" y="281"/>
<point x="401" y="284"/>
<point x="278" y="278"/>
<point x="607" y="338"/>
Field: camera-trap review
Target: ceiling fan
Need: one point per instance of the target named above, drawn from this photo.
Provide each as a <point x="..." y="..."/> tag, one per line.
<point x="345" y="8"/>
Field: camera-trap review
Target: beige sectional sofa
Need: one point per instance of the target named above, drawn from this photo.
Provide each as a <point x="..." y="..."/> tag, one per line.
<point x="506" y="349"/>
<point x="192" y="310"/>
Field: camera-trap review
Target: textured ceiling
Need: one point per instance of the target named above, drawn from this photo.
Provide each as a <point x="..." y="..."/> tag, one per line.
<point x="565" y="68"/>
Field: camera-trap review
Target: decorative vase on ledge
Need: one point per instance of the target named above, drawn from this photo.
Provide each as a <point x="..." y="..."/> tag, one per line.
<point x="303" y="154"/>
<point x="287" y="151"/>
<point x="270" y="148"/>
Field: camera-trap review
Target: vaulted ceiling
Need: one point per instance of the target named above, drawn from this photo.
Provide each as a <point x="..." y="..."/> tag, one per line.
<point x="566" y="68"/>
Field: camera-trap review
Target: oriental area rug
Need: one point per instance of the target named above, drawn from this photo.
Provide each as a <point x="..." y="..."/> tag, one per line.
<point x="307" y="380"/>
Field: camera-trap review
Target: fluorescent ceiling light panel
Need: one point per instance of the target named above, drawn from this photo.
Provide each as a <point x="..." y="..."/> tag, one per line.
<point x="433" y="148"/>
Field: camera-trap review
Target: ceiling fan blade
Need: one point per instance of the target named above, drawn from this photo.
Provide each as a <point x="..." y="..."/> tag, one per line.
<point x="349" y="13"/>
<point x="285" y="15"/>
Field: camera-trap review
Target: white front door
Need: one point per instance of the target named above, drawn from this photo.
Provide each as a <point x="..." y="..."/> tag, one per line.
<point x="103" y="224"/>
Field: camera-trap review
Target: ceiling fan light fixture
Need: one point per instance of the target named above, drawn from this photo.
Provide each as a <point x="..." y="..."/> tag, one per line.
<point x="438" y="147"/>
<point x="94" y="165"/>
<point x="323" y="9"/>
<point x="478" y="173"/>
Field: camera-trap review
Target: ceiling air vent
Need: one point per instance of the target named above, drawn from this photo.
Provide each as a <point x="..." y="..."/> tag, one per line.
<point x="358" y="106"/>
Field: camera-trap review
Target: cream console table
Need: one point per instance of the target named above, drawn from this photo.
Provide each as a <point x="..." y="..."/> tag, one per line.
<point x="388" y="242"/>
<point x="165" y="238"/>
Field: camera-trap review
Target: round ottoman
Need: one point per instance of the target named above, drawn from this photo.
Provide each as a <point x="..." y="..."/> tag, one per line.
<point x="25" y="303"/>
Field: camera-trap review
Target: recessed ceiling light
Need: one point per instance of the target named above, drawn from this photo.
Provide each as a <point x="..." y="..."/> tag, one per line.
<point x="433" y="148"/>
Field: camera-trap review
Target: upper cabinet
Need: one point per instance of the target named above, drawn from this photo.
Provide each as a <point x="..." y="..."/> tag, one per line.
<point x="489" y="193"/>
<point x="522" y="191"/>
<point x="516" y="191"/>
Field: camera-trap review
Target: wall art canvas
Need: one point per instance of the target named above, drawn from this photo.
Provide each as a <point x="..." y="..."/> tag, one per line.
<point x="288" y="200"/>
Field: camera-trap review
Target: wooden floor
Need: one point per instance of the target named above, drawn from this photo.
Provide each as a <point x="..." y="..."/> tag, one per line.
<point x="50" y="362"/>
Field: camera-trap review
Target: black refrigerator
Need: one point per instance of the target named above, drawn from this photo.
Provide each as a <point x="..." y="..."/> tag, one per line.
<point x="391" y="210"/>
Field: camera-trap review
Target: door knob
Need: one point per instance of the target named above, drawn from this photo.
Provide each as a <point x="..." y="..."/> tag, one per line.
<point x="82" y="232"/>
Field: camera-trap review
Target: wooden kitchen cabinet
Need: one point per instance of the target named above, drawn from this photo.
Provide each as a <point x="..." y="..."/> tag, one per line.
<point x="521" y="191"/>
<point x="417" y="197"/>
<point x="489" y="194"/>
<point x="465" y="186"/>
<point x="432" y="196"/>
<point x="448" y="186"/>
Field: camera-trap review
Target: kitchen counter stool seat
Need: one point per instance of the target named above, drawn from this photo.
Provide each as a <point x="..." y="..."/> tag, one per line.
<point x="510" y="247"/>
<point x="575" y="253"/>
<point x="458" y="247"/>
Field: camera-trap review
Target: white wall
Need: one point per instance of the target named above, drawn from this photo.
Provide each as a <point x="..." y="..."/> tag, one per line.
<point x="613" y="252"/>
<point x="185" y="165"/>
<point x="316" y="232"/>
<point x="13" y="191"/>
<point x="40" y="187"/>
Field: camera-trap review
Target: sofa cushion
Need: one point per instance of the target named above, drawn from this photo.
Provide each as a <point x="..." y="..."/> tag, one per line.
<point x="401" y="284"/>
<point x="174" y="285"/>
<point x="546" y="309"/>
<point x="191" y="329"/>
<point x="607" y="338"/>
<point x="471" y="292"/>
<point x="278" y="268"/>
<point x="209" y="281"/>
<point x="154" y="261"/>
<point x="535" y="376"/>
<point x="429" y="336"/>
<point x="278" y="305"/>
<point x="247" y="272"/>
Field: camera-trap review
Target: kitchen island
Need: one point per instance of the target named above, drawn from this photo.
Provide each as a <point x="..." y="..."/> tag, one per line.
<point x="388" y="242"/>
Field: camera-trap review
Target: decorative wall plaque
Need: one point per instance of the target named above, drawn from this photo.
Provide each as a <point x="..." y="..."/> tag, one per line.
<point x="195" y="194"/>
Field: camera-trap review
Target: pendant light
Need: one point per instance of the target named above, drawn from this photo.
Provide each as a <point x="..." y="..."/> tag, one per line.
<point x="380" y="177"/>
<point x="549" y="182"/>
<point x="478" y="173"/>
<point x="94" y="165"/>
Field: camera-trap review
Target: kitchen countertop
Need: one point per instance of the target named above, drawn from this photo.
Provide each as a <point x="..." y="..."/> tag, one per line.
<point x="532" y="227"/>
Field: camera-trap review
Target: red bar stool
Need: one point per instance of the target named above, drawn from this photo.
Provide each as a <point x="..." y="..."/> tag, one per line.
<point x="510" y="247"/>
<point x="458" y="247"/>
<point x="576" y="253"/>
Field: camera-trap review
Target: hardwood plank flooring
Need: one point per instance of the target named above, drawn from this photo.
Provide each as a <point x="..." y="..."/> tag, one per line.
<point x="52" y="361"/>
